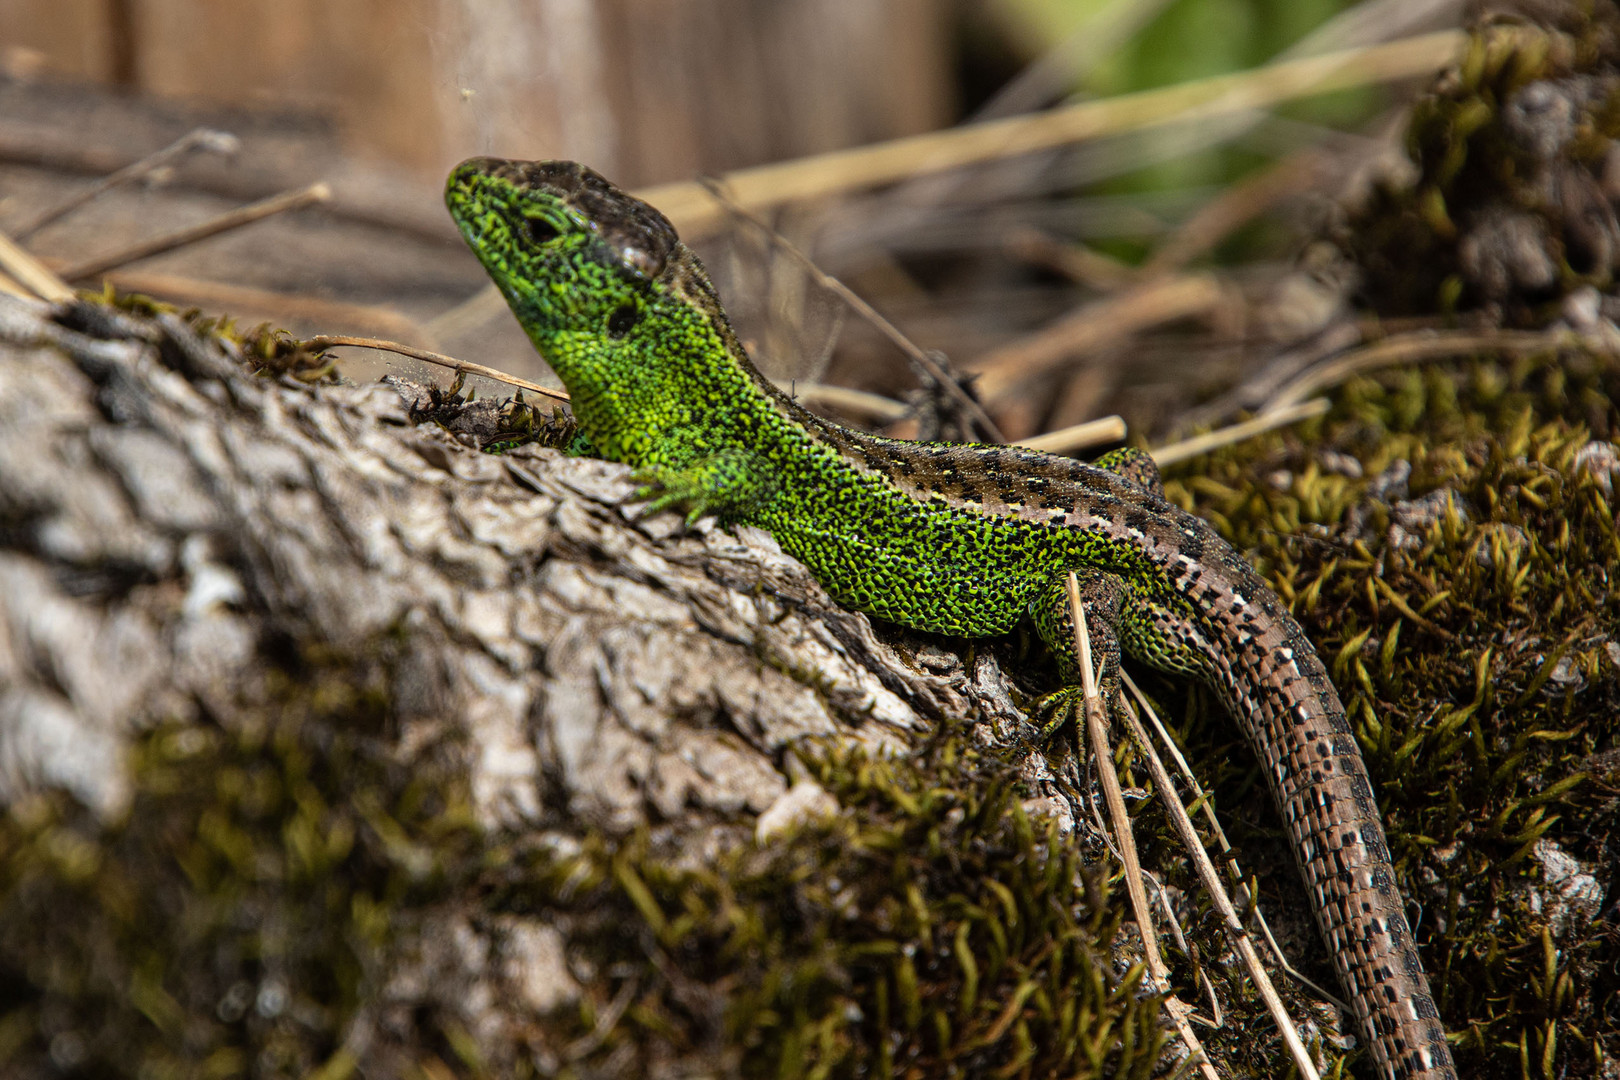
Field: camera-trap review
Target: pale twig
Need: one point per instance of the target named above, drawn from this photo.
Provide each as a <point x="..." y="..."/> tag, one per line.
<point x="1410" y="348"/>
<point x="31" y="273"/>
<point x="218" y="142"/>
<point x="1104" y="429"/>
<point x="234" y="219"/>
<point x="1235" y="931"/>
<point x="860" y="167"/>
<point x="845" y="400"/>
<point x="866" y="311"/>
<point x="1097" y="736"/>
<point x="1171" y="453"/>
<point x="10" y="287"/>
<point x="1098" y="325"/>
<point x="1228" y="853"/>
<point x="330" y="341"/>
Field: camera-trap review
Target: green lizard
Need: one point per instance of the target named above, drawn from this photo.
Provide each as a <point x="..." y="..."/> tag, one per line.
<point x="965" y="540"/>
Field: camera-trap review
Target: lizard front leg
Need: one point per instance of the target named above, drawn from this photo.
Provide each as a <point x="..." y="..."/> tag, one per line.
<point x="727" y="483"/>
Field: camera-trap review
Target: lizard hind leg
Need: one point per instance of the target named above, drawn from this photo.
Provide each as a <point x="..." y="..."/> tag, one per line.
<point x="1102" y="596"/>
<point x="1119" y="619"/>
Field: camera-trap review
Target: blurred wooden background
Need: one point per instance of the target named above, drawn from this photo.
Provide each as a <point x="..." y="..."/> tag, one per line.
<point x="1034" y="254"/>
<point x="646" y="90"/>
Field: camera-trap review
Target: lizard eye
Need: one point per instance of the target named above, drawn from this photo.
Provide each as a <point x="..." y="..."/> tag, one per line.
<point x="623" y="320"/>
<point x="540" y="230"/>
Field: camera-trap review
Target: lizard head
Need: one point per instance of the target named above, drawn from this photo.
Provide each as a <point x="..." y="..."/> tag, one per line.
<point x="598" y="279"/>
<point x="570" y="251"/>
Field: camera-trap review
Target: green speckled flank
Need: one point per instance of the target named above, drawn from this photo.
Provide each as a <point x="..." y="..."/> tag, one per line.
<point x="958" y="539"/>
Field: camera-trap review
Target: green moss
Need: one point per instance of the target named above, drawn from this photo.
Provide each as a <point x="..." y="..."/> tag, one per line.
<point x="240" y="918"/>
<point x="1473" y="657"/>
<point x="247" y="915"/>
<point x="932" y="929"/>
<point x="1474" y="172"/>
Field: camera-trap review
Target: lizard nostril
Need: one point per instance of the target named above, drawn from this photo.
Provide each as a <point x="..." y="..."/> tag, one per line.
<point x="623" y="320"/>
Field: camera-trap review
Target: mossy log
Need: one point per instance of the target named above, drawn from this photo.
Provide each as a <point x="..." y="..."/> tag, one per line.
<point x="330" y="743"/>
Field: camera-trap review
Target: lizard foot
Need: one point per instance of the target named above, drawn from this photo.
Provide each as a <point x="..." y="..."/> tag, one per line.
<point x="1057" y="709"/>
<point x="724" y="483"/>
<point x="675" y="489"/>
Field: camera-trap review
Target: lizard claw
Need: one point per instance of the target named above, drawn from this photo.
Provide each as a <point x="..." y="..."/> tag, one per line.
<point x="1058" y="708"/>
<point x="661" y="492"/>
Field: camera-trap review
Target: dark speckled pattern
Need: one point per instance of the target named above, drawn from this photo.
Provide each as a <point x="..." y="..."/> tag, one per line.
<point x="957" y="539"/>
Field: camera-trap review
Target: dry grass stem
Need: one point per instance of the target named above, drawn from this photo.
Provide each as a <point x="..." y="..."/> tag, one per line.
<point x="1097" y="737"/>
<point x="1234" y="872"/>
<point x="218" y="142"/>
<point x="478" y="309"/>
<point x="277" y="204"/>
<point x="842" y="171"/>
<point x="1095" y="326"/>
<point x="1236" y="205"/>
<point x="330" y="341"/>
<point x="866" y="311"/>
<point x="1431" y="345"/>
<point x="32" y="274"/>
<point x="1254" y="390"/>
<point x="1078" y="263"/>
<point x="1171" y="453"/>
<point x="1236" y="934"/>
<point x="1104" y="429"/>
<point x="846" y="400"/>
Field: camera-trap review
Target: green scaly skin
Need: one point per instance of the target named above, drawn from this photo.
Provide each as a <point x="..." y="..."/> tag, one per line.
<point x="965" y="540"/>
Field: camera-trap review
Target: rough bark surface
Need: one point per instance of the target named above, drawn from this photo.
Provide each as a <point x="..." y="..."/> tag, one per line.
<point x="167" y="516"/>
<point x="177" y="535"/>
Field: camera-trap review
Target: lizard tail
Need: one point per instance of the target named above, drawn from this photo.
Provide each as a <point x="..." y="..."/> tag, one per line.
<point x="1281" y="695"/>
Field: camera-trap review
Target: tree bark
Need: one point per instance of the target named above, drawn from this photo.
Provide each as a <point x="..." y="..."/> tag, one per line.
<point x="190" y="555"/>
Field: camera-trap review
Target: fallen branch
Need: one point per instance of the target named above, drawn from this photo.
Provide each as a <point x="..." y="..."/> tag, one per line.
<point x="1266" y="421"/>
<point x="218" y="142"/>
<point x="246" y="215"/>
